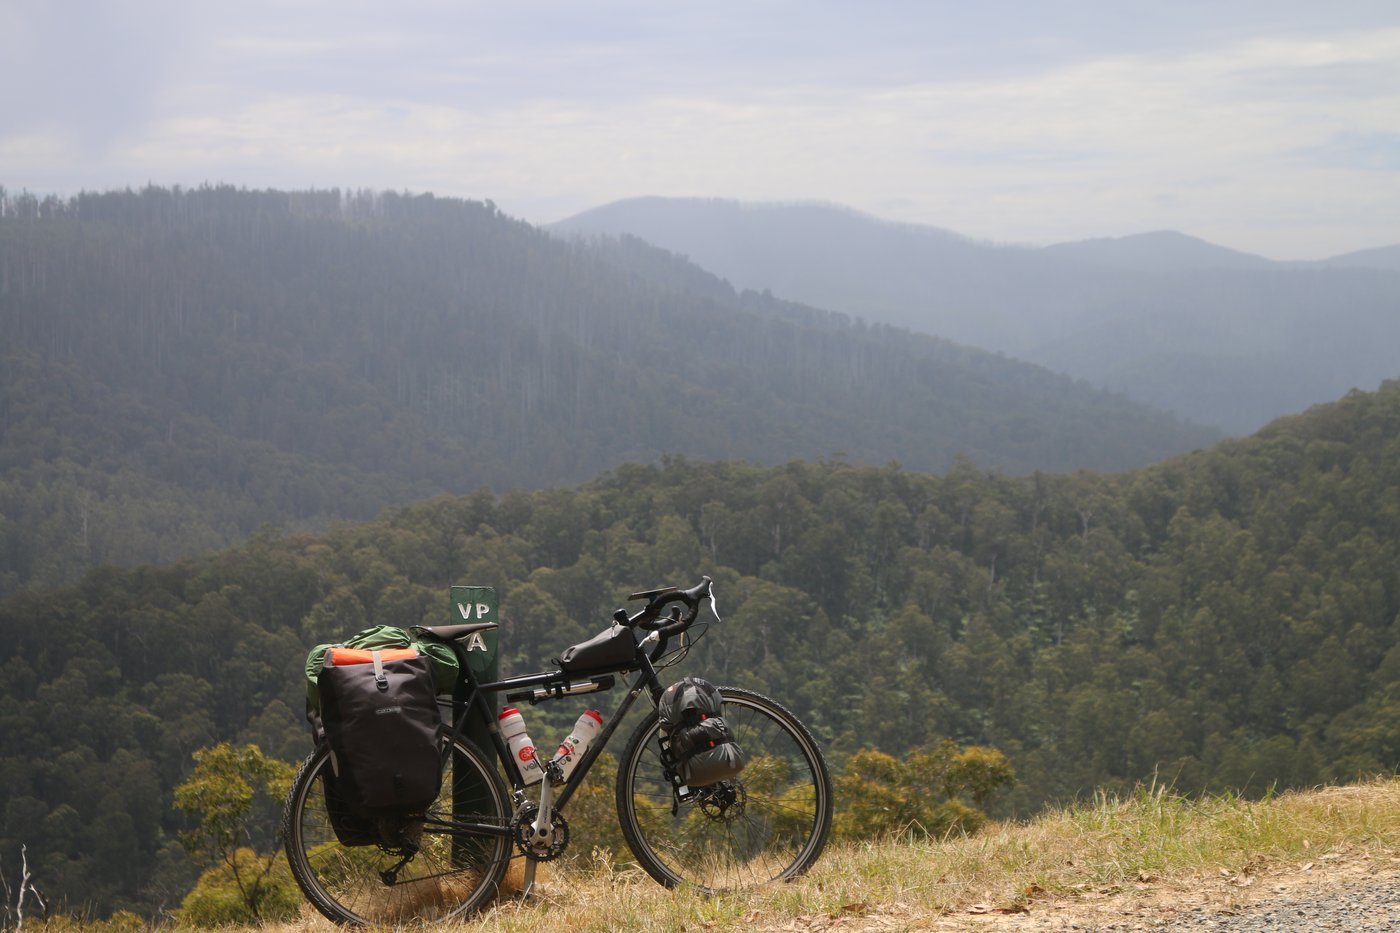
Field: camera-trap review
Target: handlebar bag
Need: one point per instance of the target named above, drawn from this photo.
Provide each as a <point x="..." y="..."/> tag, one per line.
<point x="380" y="715"/>
<point x="702" y="744"/>
<point x="612" y="649"/>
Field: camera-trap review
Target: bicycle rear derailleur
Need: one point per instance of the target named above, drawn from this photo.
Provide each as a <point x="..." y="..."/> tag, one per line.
<point x="541" y="849"/>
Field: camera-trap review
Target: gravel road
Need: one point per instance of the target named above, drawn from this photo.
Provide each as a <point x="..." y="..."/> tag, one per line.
<point x="1350" y="907"/>
<point x="1353" y="898"/>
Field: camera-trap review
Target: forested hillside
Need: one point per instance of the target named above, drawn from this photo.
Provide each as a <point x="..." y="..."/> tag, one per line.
<point x="1229" y="618"/>
<point x="1218" y="336"/>
<point x="179" y="367"/>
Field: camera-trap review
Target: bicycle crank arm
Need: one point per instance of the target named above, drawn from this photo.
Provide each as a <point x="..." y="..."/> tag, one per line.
<point x="543" y="827"/>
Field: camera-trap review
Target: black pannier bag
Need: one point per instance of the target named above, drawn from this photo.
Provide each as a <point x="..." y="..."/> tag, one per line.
<point x="699" y="744"/>
<point x="351" y="828"/>
<point x="379" y="711"/>
<point x="612" y="649"/>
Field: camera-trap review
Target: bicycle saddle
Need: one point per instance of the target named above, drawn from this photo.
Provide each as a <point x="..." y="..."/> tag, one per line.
<point x="450" y="632"/>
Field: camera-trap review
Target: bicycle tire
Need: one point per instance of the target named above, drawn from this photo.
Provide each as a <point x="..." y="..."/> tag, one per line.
<point x="768" y="824"/>
<point x="449" y="877"/>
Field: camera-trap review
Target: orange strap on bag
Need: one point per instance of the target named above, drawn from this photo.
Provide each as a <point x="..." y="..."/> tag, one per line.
<point x="338" y="657"/>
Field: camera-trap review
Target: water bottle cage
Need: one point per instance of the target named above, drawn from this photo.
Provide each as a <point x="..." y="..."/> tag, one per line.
<point x="680" y="791"/>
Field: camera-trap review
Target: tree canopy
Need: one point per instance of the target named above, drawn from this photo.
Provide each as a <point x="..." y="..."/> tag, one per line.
<point x="1229" y="618"/>
<point x="179" y="367"/>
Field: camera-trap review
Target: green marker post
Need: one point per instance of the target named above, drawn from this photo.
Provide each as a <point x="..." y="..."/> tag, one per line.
<point x="473" y="604"/>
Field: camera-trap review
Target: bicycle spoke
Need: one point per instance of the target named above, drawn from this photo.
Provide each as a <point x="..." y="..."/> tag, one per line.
<point x="768" y="823"/>
<point x="448" y="874"/>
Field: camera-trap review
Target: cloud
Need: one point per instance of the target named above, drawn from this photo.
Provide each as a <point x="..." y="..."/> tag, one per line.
<point x="88" y="74"/>
<point x="1267" y="143"/>
<point x="1115" y="144"/>
<point x="1375" y="152"/>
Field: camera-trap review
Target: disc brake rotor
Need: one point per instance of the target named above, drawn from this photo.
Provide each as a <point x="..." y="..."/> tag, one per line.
<point x="724" y="802"/>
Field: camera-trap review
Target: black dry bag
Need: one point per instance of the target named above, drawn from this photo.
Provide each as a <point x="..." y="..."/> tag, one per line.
<point x="379" y="710"/>
<point x="701" y="744"/>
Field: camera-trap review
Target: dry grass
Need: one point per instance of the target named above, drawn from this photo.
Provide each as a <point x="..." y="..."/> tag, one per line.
<point x="1154" y="839"/>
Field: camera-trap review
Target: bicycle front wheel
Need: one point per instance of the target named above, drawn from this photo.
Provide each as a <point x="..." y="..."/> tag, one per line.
<point x="769" y="823"/>
<point x="438" y="865"/>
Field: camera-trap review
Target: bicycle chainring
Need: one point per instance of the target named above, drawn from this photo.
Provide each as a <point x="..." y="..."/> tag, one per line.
<point x="541" y="850"/>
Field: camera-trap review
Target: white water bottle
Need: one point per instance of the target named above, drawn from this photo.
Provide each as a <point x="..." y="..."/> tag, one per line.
<point x="576" y="745"/>
<point x="521" y="748"/>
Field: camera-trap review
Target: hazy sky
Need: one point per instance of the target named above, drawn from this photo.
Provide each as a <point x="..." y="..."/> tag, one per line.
<point x="1272" y="127"/>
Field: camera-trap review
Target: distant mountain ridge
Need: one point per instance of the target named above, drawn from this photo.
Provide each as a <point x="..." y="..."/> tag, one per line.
<point x="1216" y="335"/>
<point x="1169" y="250"/>
<point x="1383" y="257"/>
<point x="1160" y="251"/>
<point x="180" y="367"/>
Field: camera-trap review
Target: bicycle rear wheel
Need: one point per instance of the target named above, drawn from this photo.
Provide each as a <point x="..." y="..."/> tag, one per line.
<point x="769" y="823"/>
<point x="451" y="873"/>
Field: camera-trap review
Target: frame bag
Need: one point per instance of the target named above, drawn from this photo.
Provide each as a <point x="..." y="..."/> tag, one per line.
<point x="698" y="742"/>
<point x="612" y="649"/>
<point x="379" y="712"/>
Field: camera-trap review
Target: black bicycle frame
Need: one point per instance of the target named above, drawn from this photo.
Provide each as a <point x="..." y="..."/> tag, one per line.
<point x="471" y="703"/>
